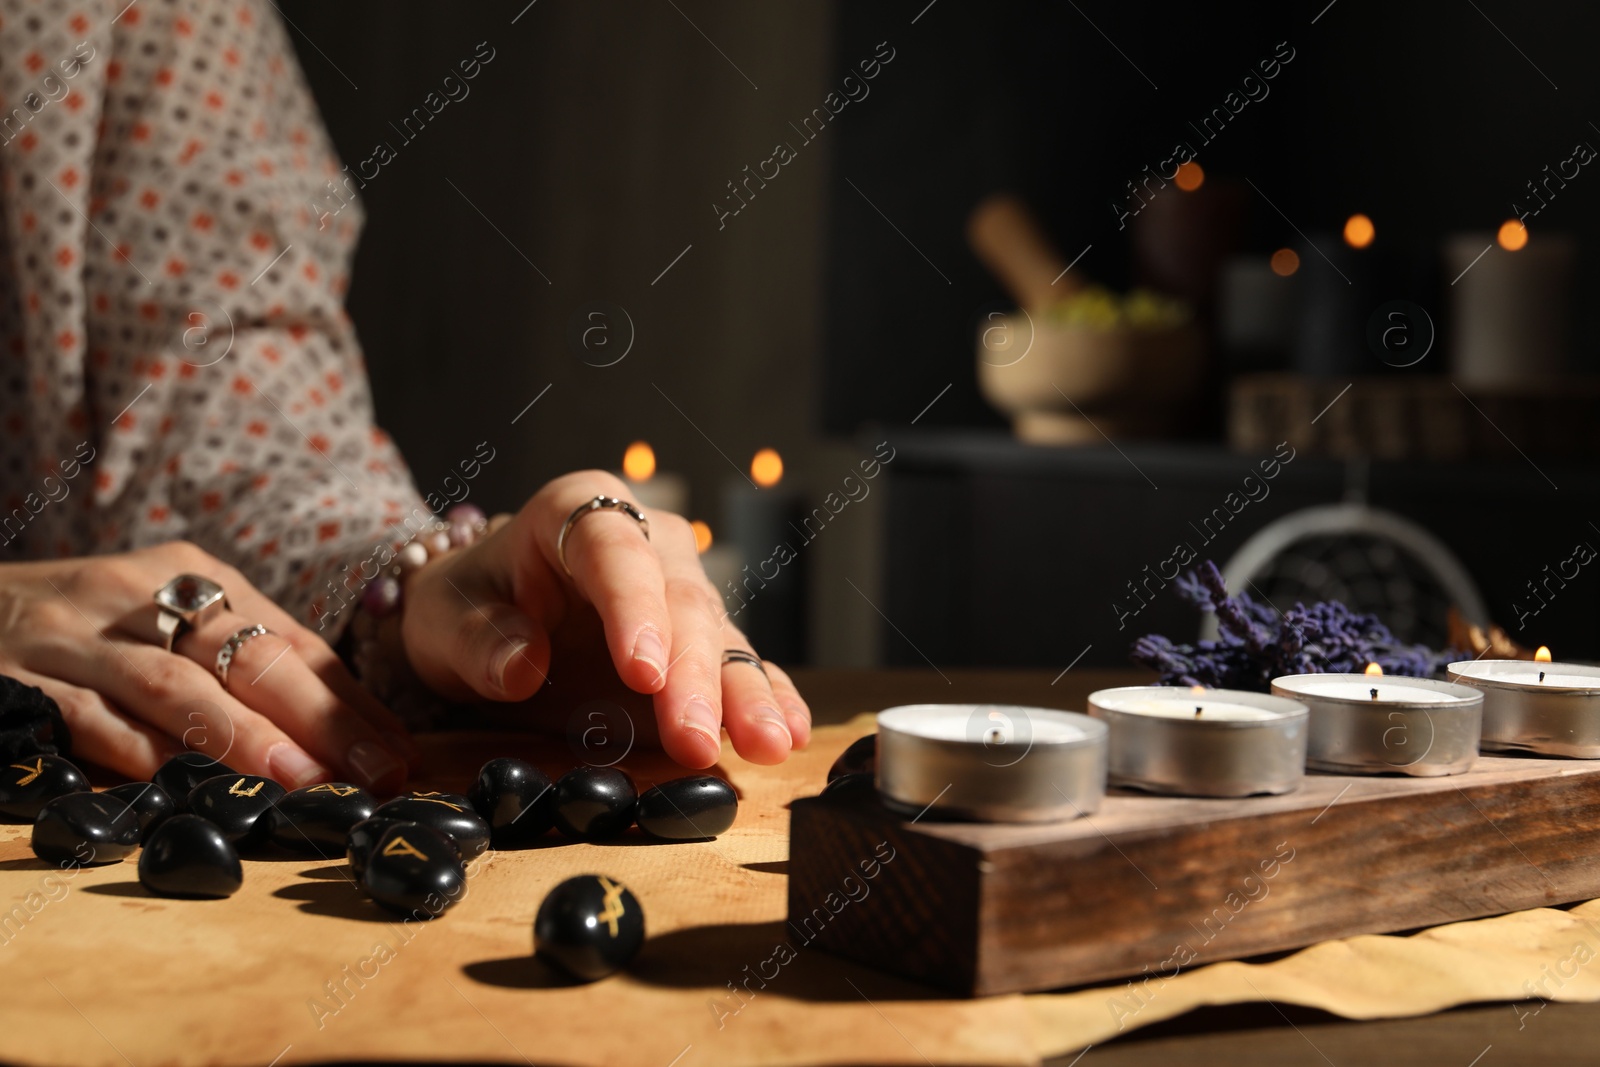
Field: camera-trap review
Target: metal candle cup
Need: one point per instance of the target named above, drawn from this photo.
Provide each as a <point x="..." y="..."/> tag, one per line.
<point x="991" y="762"/>
<point x="1240" y="744"/>
<point x="1559" y="716"/>
<point x="1414" y="726"/>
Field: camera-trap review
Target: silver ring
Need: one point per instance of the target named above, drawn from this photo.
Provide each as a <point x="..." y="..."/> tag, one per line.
<point x="231" y="647"/>
<point x="739" y="655"/>
<point x="183" y="603"/>
<point x="599" y="503"/>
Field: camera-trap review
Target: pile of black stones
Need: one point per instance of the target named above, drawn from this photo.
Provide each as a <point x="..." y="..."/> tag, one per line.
<point x="196" y="815"/>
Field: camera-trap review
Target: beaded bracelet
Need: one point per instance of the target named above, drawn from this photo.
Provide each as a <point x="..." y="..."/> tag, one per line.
<point x="377" y="652"/>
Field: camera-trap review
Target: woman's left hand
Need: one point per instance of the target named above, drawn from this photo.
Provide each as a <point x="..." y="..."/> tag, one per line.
<point x="494" y="620"/>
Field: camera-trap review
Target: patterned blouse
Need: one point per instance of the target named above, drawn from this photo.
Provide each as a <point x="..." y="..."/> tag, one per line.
<point x="175" y="358"/>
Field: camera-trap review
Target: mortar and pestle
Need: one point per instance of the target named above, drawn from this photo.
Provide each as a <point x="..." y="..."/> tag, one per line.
<point x="1075" y="364"/>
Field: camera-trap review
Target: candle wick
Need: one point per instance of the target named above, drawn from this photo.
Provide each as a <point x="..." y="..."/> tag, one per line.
<point x="1541" y="676"/>
<point x="996" y="736"/>
<point x="1374" y="694"/>
<point x="1197" y="711"/>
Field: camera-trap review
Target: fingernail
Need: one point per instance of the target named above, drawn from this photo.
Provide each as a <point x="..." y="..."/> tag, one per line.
<point x="403" y="745"/>
<point x="649" y="650"/>
<point x="698" y="716"/>
<point x="372" y="763"/>
<point x="771" y="717"/>
<point x="799" y="728"/>
<point x="291" y="767"/>
<point x="502" y="662"/>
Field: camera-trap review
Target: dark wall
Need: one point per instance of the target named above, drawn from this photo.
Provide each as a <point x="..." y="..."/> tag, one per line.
<point x="591" y="149"/>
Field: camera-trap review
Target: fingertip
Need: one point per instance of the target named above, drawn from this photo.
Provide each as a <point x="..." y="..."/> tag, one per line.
<point x="646" y="670"/>
<point x="517" y="669"/>
<point x="799" y="728"/>
<point x="696" y="739"/>
<point x="692" y="749"/>
<point x="289" y="765"/>
<point x="375" y="767"/>
<point x="767" y="739"/>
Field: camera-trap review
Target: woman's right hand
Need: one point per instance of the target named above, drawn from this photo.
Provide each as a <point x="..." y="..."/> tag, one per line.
<point x="84" y="630"/>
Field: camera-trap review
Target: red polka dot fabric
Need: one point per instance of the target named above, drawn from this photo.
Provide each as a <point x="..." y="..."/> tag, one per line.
<point x="175" y="358"/>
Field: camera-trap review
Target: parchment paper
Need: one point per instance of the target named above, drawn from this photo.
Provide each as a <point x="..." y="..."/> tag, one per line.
<point x="299" y="968"/>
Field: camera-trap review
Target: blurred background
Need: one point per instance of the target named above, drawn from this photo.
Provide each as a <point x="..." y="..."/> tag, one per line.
<point x="962" y="327"/>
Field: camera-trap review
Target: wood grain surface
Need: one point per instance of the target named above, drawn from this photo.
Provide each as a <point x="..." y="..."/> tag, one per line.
<point x="1150" y="884"/>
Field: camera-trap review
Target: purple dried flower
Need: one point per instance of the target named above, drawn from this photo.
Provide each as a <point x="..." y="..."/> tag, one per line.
<point x="1256" y="644"/>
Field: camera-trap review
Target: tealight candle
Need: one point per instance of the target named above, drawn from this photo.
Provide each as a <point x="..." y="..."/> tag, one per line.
<point x="1372" y="724"/>
<point x="991" y="762"/>
<point x="1549" y="708"/>
<point x="1202" y="742"/>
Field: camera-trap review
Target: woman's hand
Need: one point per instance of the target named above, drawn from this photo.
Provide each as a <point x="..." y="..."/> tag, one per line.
<point x="498" y="619"/>
<point x="85" y="631"/>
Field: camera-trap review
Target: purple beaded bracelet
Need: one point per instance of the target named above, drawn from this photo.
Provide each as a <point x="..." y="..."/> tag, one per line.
<point x="461" y="526"/>
<point x="392" y="681"/>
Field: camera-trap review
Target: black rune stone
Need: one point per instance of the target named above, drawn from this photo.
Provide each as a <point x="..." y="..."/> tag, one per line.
<point x="240" y="805"/>
<point x="415" y="871"/>
<point x="363" y="838"/>
<point x="30" y="722"/>
<point x="853" y="789"/>
<point x="687" y="809"/>
<point x="316" y="819"/>
<point x="85" y="829"/>
<point x="180" y="774"/>
<point x="457" y="799"/>
<point x="188" y="856"/>
<point x="463" y="826"/>
<point x="860" y="758"/>
<point x="517" y="800"/>
<point x="28" y="784"/>
<point x="588" y="927"/>
<point x="593" y="803"/>
<point x="149" y="802"/>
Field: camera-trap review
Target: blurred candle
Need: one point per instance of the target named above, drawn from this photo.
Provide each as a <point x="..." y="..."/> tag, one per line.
<point x="1336" y="276"/>
<point x="1257" y="304"/>
<point x="1509" y="304"/>
<point x="720" y="563"/>
<point x="662" y="490"/>
<point x="766" y="528"/>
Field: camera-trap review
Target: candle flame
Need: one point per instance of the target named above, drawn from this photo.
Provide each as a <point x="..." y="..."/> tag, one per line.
<point x="1543" y="655"/>
<point x="702" y="535"/>
<point x="766" y="469"/>
<point x="639" y="462"/>
<point x="1374" y="671"/>
<point x="1512" y="236"/>
<point x="1190" y="176"/>
<point x="1359" y="231"/>
<point x="1198" y="690"/>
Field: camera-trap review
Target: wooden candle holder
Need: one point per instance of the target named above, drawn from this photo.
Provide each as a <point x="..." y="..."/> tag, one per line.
<point x="1150" y="885"/>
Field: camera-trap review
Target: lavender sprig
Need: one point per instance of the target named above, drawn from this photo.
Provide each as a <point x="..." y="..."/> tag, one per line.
<point x="1256" y="644"/>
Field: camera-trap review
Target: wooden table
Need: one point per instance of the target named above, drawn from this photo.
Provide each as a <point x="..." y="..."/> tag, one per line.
<point x="295" y="918"/>
<point x="1288" y="1036"/>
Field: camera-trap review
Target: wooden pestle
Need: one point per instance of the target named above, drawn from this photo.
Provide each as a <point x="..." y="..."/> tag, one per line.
<point x="1008" y="240"/>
